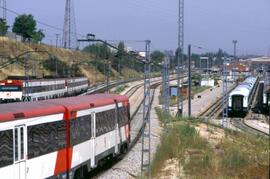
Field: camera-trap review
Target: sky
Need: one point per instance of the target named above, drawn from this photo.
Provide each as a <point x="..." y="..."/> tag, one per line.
<point x="211" y="24"/>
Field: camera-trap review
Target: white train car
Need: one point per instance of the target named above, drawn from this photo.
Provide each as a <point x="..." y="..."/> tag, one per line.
<point x="44" y="89"/>
<point x="41" y="89"/>
<point x="11" y="90"/>
<point x="62" y="138"/>
<point x="241" y="97"/>
<point x="76" y="85"/>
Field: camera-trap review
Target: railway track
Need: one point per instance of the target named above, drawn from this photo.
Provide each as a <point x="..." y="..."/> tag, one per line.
<point x="136" y="123"/>
<point x="214" y="111"/>
<point x="240" y="124"/>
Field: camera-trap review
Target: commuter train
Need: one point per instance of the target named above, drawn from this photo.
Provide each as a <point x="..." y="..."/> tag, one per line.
<point x="62" y="138"/>
<point x="40" y="89"/>
<point x="240" y="98"/>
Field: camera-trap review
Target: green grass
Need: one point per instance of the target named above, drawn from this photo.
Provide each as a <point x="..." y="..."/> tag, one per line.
<point x="235" y="156"/>
<point x="120" y="89"/>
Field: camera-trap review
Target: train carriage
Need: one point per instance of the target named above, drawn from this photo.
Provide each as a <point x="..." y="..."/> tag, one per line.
<point x="44" y="89"/>
<point x="60" y="137"/>
<point x="11" y="90"/>
<point x="240" y="98"/>
<point x="41" y="89"/>
<point x="76" y="85"/>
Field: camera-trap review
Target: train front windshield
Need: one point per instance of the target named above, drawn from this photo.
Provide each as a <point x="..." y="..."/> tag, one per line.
<point x="10" y="88"/>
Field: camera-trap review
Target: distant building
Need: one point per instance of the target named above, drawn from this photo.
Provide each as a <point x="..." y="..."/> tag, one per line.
<point x="237" y="69"/>
<point x="206" y="63"/>
<point x="14" y="36"/>
<point x="208" y="82"/>
<point x="142" y="54"/>
<point x="173" y="89"/>
<point x="259" y="62"/>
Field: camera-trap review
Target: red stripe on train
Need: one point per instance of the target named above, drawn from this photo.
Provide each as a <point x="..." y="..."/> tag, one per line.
<point x="62" y="165"/>
<point x="64" y="156"/>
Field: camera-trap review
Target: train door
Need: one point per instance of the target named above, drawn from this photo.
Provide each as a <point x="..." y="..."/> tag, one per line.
<point x="20" y="152"/>
<point x="116" y="147"/>
<point x="237" y="102"/>
<point x="93" y="141"/>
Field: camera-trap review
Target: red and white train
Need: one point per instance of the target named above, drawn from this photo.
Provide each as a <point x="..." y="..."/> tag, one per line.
<point x="40" y="89"/>
<point x="62" y="138"/>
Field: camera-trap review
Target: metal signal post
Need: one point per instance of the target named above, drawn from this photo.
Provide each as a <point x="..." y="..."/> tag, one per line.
<point x="225" y="93"/>
<point x="146" y="154"/>
<point x="165" y="91"/>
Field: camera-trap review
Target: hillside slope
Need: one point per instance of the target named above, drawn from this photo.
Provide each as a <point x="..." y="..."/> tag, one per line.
<point x="44" y="60"/>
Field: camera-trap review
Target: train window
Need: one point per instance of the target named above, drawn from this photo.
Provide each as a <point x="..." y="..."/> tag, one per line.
<point x="10" y="88"/>
<point x="46" y="138"/>
<point x="6" y="148"/>
<point x="123" y="115"/>
<point x="105" y="122"/>
<point x="80" y="130"/>
<point x="16" y="145"/>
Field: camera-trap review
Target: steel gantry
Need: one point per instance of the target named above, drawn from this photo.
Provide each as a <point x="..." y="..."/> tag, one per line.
<point x="146" y="150"/>
<point x="180" y="54"/>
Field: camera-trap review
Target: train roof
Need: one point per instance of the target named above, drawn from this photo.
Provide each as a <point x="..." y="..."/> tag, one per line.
<point x="83" y="102"/>
<point x="44" y="79"/>
<point x="16" y="111"/>
<point x="245" y="87"/>
<point x="21" y="110"/>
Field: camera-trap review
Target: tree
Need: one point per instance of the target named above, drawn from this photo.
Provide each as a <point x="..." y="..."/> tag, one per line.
<point x="38" y="36"/>
<point x="3" y="27"/>
<point x="25" y="25"/>
<point x="100" y="50"/>
<point x="157" y="57"/>
<point x="119" y="56"/>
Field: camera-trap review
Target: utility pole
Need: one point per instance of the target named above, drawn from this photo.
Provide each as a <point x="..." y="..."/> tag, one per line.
<point x="189" y="81"/>
<point x="180" y="55"/>
<point x="146" y="153"/>
<point x="107" y="69"/>
<point x="234" y="60"/>
<point x="166" y="84"/>
<point x="57" y="37"/>
<point x="26" y="84"/>
<point x="234" y="49"/>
